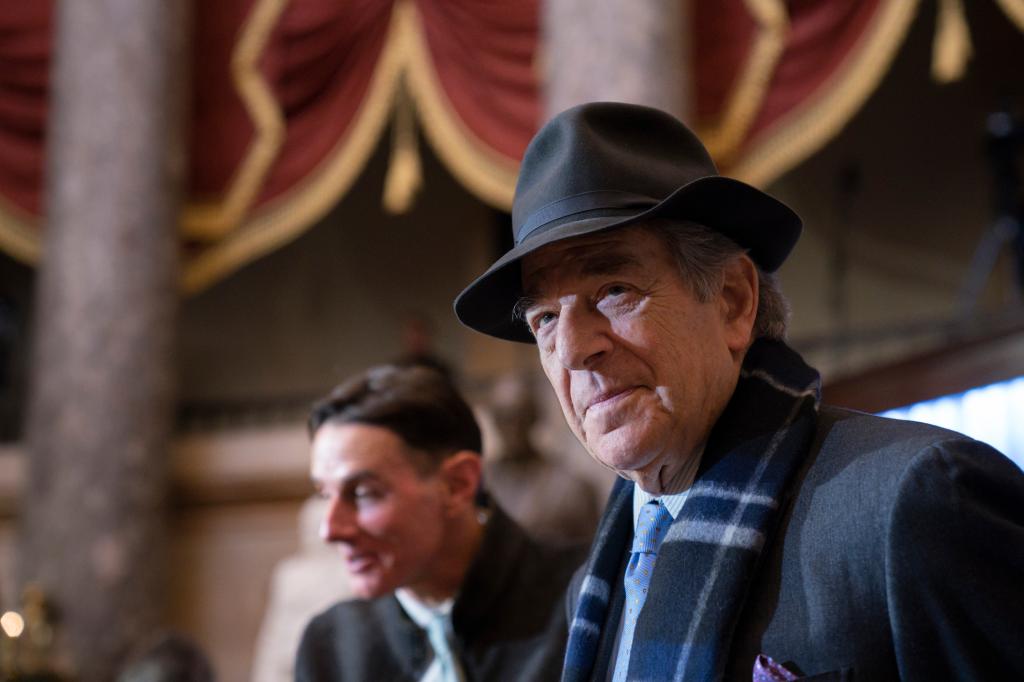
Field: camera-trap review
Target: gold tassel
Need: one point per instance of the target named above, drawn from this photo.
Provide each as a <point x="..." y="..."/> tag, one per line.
<point x="951" y="48"/>
<point x="1015" y="10"/>
<point x="405" y="171"/>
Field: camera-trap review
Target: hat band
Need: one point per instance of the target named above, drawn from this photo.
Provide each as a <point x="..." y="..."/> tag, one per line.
<point x="581" y="203"/>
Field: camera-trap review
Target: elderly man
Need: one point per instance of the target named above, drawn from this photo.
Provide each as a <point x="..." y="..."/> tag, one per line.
<point x="450" y="591"/>
<point x="756" y="533"/>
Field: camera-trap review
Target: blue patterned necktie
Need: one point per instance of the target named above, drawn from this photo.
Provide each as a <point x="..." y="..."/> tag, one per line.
<point x="651" y="528"/>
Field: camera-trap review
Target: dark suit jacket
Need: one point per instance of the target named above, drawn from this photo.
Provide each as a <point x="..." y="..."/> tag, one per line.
<point x="508" y="618"/>
<point x="899" y="556"/>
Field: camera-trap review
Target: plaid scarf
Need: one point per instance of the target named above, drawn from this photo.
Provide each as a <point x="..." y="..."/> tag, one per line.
<point x="707" y="560"/>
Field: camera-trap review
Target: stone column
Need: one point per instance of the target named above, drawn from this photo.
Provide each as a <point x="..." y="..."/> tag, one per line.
<point x="617" y="50"/>
<point x="101" y="391"/>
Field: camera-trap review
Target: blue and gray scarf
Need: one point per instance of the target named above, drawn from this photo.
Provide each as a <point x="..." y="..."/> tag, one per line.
<point x="709" y="557"/>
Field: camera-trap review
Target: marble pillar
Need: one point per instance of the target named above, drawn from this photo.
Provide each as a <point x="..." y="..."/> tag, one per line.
<point x="617" y="50"/>
<point x="101" y="386"/>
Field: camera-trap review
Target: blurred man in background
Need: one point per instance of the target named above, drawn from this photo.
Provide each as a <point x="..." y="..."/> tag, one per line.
<point x="449" y="588"/>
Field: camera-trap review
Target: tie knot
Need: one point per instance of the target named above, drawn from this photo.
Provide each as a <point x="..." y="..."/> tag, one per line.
<point x="438" y="628"/>
<point x="651" y="527"/>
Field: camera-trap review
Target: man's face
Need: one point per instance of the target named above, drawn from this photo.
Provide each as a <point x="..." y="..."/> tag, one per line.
<point x="641" y="368"/>
<point x="387" y="518"/>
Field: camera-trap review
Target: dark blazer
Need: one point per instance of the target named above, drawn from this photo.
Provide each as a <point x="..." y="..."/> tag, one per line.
<point x="508" y="619"/>
<point x="899" y="556"/>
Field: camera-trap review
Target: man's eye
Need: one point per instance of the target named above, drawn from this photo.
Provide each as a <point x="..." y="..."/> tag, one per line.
<point x="542" y="319"/>
<point x="365" y="494"/>
<point x="616" y="290"/>
<point x="617" y="298"/>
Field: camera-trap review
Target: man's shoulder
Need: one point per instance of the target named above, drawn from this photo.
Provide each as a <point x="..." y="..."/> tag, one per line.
<point x="866" y="460"/>
<point x="352" y="617"/>
<point x="879" y="445"/>
<point x="565" y="556"/>
<point x="539" y="567"/>
<point x="508" y="540"/>
<point x="875" y="431"/>
<point x="903" y="520"/>
<point x="360" y="639"/>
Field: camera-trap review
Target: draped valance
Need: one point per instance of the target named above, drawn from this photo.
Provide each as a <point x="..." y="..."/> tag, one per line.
<point x="290" y="98"/>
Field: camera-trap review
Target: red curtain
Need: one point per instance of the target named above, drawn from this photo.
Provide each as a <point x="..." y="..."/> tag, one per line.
<point x="25" y="41"/>
<point x="483" y="52"/>
<point x="319" y="62"/>
<point x="773" y="86"/>
<point x="290" y="99"/>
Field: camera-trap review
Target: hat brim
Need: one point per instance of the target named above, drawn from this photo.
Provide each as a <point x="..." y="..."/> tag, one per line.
<point x="764" y="226"/>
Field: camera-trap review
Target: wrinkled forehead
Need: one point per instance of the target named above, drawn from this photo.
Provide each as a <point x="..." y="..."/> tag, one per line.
<point x="622" y="250"/>
<point x="583" y="255"/>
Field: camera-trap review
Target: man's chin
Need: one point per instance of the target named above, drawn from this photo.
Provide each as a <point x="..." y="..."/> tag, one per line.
<point x="664" y="475"/>
<point x="648" y="479"/>
<point x="640" y="469"/>
<point x="364" y="588"/>
<point x="645" y="471"/>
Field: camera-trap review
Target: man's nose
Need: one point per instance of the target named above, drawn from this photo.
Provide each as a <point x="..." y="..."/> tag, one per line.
<point x="582" y="337"/>
<point x="338" y="522"/>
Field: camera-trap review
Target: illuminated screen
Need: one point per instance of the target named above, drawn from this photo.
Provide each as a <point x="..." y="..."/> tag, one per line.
<point x="993" y="414"/>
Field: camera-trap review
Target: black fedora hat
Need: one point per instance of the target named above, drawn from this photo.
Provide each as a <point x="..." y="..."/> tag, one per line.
<point x="607" y="165"/>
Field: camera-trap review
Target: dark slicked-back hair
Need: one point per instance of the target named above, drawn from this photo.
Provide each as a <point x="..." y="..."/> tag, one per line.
<point x="416" y="403"/>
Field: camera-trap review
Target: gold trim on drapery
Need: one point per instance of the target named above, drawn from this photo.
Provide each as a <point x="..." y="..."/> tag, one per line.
<point x="404" y="178"/>
<point x="488" y="175"/>
<point x="231" y="237"/>
<point x="812" y="124"/>
<point x="213" y="220"/>
<point x="1015" y="10"/>
<point x="951" y="47"/>
<point x="724" y="138"/>
<point x="290" y="215"/>
<point x="19" y="233"/>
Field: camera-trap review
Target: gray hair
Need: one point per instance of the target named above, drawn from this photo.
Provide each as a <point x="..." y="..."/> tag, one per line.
<point x="702" y="254"/>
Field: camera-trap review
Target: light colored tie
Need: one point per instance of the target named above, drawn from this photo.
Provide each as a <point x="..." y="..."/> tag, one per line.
<point x="439" y="634"/>
<point x="651" y="528"/>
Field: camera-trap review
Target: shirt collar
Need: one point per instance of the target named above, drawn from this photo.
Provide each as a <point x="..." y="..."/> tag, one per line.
<point x="421" y="612"/>
<point x="673" y="503"/>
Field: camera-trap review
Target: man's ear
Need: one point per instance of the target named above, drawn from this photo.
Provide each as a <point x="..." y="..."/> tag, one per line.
<point x="739" y="302"/>
<point x="461" y="475"/>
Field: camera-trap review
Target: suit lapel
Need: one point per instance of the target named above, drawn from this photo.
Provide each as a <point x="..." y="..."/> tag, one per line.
<point x="405" y="641"/>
